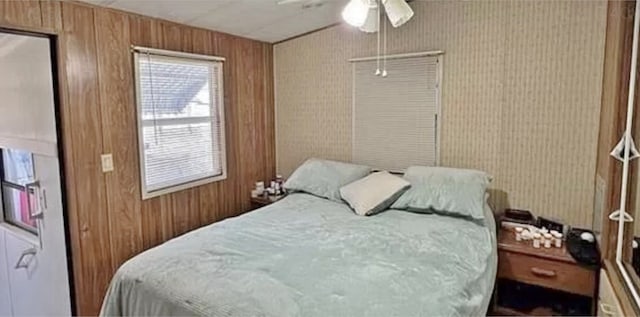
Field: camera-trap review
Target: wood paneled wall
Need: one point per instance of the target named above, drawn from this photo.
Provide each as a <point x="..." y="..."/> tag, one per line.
<point x="108" y="221"/>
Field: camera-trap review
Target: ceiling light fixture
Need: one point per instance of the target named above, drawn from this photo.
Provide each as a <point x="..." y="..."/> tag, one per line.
<point x="398" y="12"/>
<point x="372" y="22"/>
<point x="355" y="13"/>
<point x="363" y="14"/>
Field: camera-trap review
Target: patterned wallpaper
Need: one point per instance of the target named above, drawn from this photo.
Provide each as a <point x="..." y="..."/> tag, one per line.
<point x="520" y="96"/>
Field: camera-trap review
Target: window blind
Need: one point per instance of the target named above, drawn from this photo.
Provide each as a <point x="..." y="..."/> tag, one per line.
<point x="180" y="119"/>
<point x="395" y="117"/>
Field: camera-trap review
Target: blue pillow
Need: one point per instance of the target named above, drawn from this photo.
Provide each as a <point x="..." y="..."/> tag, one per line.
<point x="324" y="178"/>
<point x="453" y="191"/>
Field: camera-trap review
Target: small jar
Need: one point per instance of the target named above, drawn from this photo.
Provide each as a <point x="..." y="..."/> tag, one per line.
<point x="536" y="240"/>
<point x="557" y="239"/>
<point x="526" y="235"/>
<point x="547" y="240"/>
<point x="277" y="188"/>
<point x="260" y="188"/>
<point x="519" y="234"/>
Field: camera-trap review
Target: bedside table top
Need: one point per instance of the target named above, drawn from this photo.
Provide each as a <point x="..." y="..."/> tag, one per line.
<point x="265" y="200"/>
<point x="507" y="242"/>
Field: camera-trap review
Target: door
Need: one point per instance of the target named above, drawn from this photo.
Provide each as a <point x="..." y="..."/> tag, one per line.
<point x="34" y="279"/>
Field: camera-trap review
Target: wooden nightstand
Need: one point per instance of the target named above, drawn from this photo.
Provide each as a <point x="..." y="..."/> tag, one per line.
<point x="552" y="272"/>
<point x="261" y="201"/>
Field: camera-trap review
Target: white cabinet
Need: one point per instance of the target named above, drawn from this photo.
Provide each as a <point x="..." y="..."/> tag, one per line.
<point x="39" y="285"/>
<point x="5" y="295"/>
<point x="608" y="304"/>
<point x="36" y="289"/>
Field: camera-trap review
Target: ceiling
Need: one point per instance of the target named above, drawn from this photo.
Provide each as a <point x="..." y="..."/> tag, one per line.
<point x="262" y="20"/>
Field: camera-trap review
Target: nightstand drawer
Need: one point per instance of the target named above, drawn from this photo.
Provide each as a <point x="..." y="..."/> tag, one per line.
<point x="558" y="275"/>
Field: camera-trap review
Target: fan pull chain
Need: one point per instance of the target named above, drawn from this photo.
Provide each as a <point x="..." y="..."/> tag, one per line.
<point x="378" y="51"/>
<point x="384" y="58"/>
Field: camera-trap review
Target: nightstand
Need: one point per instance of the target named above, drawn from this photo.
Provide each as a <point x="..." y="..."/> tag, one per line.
<point x="261" y="201"/>
<point x="540" y="281"/>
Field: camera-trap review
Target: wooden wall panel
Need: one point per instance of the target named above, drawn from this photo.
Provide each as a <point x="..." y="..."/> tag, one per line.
<point x="22" y="13"/>
<point x="119" y="132"/>
<point x="108" y="221"/>
<point x="243" y="61"/>
<point x="51" y="15"/>
<point x="83" y="102"/>
<point x="269" y="113"/>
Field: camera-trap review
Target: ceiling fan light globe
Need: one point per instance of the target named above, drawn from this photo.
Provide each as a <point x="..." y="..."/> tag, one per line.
<point x="371" y="22"/>
<point x="371" y="3"/>
<point x="398" y="12"/>
<point x="355" y="12"/>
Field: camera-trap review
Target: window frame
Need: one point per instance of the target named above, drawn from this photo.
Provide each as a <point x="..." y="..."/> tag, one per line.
<point x="434" y="58"/>
<point x="211" y="62"/>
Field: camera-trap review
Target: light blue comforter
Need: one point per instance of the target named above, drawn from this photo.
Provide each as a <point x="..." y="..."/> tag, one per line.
<point x="307" y="256"/>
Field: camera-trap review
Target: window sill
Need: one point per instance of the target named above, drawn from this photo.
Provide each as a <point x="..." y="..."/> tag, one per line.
<point x="20" y="233"/>
<point x="176" y="188"/>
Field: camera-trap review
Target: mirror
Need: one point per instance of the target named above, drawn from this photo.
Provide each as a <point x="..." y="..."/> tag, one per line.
<point x="627" y="252"/>
<point x="631" y="246"/>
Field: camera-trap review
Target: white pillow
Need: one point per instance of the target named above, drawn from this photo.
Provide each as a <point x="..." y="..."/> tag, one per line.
<point x="374" y="193"/>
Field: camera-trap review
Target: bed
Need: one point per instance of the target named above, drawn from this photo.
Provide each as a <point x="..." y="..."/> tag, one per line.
<point x="309" y="256"/>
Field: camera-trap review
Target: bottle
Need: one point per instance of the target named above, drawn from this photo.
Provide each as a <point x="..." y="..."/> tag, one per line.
<point x="519" y="234"/>
<point x="557" y="239"/>
<point x="280" y="181"/>
<point x="547" y="240"/>
<point x="536" y="240"/>
<point x="278" y="189"/>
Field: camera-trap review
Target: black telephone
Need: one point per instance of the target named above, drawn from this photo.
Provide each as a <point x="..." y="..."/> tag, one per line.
<point x="582" y="246"/>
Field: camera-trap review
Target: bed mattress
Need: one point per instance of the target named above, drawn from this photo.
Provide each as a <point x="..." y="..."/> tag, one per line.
<point x="308" y="256"/>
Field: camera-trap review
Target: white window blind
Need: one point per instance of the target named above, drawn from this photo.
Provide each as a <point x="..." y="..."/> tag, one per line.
<point x="180" y="122"/>
<point x="395" y="118"/>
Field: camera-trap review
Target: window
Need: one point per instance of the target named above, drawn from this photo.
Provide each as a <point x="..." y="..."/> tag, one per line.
<point x="16" y="172"/>
<point x="180" y="120"/>
<point x="395" y="118"/>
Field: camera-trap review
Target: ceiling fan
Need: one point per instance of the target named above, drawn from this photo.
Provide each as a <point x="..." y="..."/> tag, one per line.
<point x="364" y="14"/>
<point x="367" y="16"/>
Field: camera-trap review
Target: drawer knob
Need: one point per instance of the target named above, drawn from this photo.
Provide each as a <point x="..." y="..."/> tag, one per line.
<point x="542" y="272"/>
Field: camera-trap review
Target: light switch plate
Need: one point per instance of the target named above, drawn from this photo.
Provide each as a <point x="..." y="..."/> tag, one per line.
<point x="107" y="162"/>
